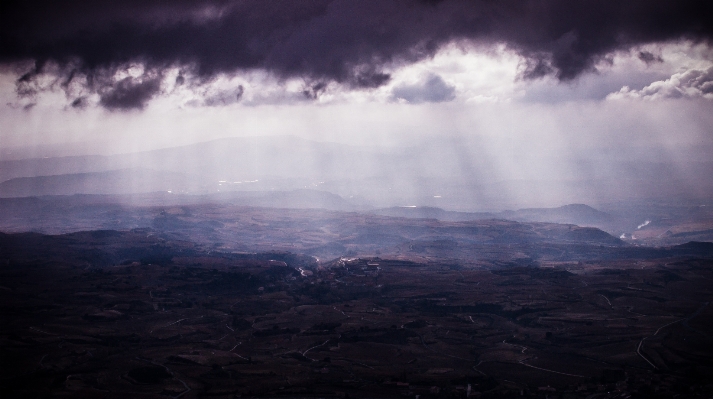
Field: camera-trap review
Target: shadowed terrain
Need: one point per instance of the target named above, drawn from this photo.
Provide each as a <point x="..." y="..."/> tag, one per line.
<point x="439" y="309"/>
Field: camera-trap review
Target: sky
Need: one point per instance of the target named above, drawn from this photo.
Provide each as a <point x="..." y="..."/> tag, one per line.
<point x="541" y="88"/>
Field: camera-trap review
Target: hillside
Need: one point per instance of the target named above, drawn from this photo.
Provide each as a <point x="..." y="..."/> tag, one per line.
<point x="124" y="181"/>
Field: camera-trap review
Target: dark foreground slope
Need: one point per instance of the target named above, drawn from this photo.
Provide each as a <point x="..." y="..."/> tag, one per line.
<point x="138" y="314"/>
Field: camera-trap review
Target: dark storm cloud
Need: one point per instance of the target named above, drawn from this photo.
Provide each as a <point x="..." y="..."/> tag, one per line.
<point x="433" y="90"/>
<point x="649" y="58"/>
<point x="79" y="102"/>
<point x="347" y="41"/>
<point x="313" y="92"/>
<point x="129" y="93"/>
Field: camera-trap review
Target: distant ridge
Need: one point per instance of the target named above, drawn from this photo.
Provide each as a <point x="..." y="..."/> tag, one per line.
<point x="578" y="214"/>
<point x="123" y="181"/>
<point x="420" y="173"/>
<point x="226" y="158"/>
<point x="429" y="212"/>
<point x="294" y="199"/>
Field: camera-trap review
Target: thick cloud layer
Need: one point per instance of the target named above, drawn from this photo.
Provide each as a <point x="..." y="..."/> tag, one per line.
<point x="352" y="42"/>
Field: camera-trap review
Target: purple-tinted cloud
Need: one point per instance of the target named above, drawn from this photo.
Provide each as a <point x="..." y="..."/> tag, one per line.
<point x="345" y="41"/>
<point x="129" y="93"/>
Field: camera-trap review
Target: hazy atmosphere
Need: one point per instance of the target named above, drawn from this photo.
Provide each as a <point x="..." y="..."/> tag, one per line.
<point x="480" y="105"/>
